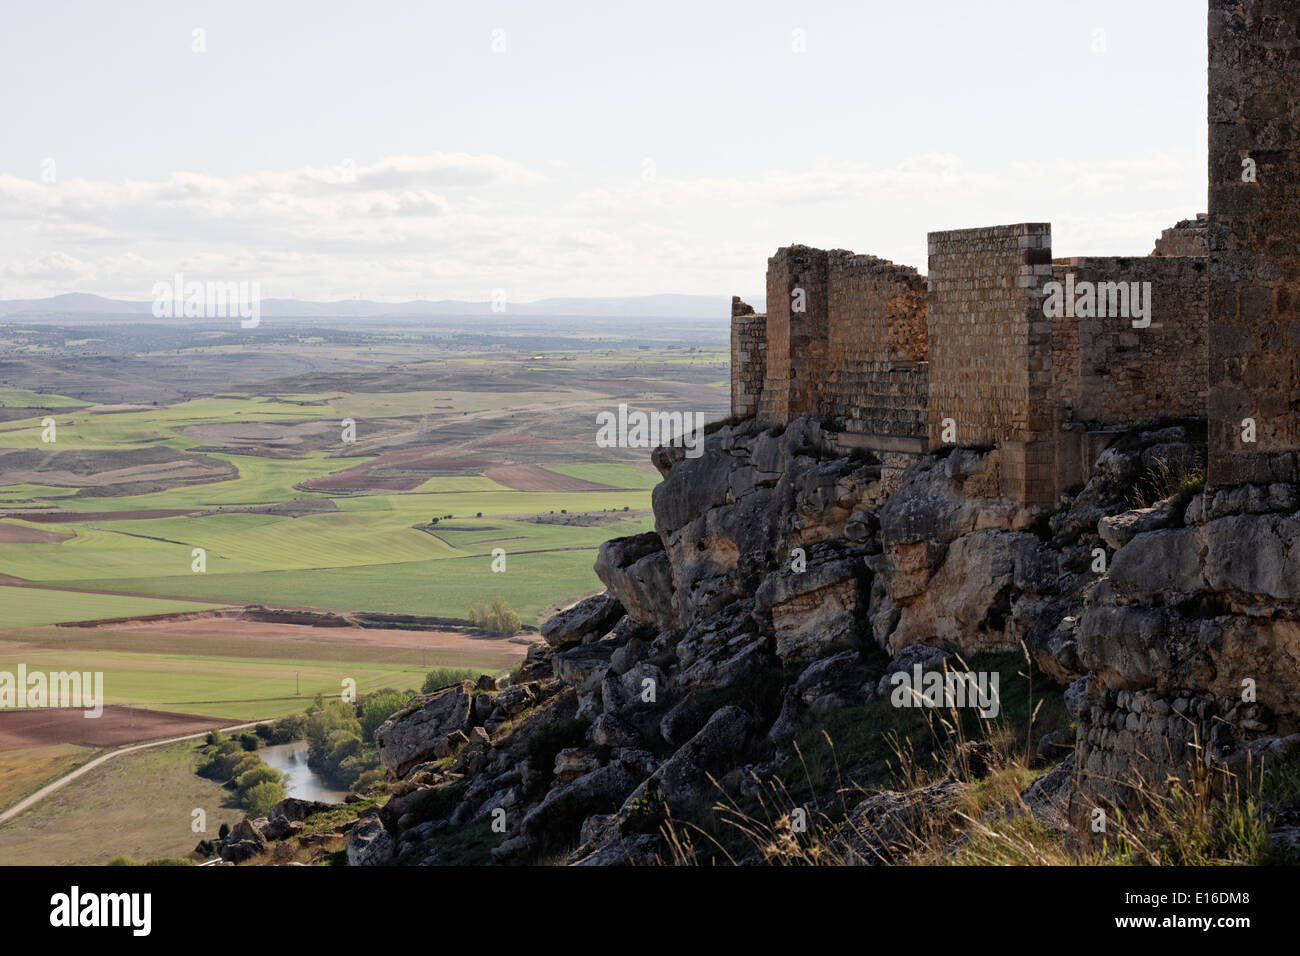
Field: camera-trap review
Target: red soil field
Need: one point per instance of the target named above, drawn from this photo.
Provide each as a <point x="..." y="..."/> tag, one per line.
<point x="17" y="534"/>
<point x="397" y="471"/>
<point x="537" y="478"/>
<point x="201" y="626"/>
<point x="117" y="725"/>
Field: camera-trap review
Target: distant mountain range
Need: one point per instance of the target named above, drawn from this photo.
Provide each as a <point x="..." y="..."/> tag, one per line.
<point x="645" y="306"/>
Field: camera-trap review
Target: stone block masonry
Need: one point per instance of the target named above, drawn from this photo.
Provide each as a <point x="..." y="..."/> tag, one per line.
<point x="1187" y="238"/>
<point x="796" y="333"/>
<point x="876" y="381"/>
<point x="748" y="358"/>
<point x="1254" y="166"/>
<point x="888" y="355"/>
<point x="1109" y="373"/>
<point x="990" y="349"/>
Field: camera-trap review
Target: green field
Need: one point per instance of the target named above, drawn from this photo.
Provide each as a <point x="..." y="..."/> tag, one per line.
<point x="438" y="428"/>
<point x="20" y="607"/>
<point x="531" y="583"/>
<point x="234" y="688"/>
<point x="615" y="475"/>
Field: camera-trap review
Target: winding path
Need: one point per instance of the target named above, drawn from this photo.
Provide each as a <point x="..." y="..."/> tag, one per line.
<point x="54" y="785"/>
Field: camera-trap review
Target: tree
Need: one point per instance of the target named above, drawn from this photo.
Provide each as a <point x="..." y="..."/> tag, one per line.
<point x="377" y="708"/>
<point x="260" y="799"/>
<point x="261" y="774"/>
<point x="497" y="617"/>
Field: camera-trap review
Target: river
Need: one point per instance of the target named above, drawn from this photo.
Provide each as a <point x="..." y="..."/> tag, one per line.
<point x="300" y="780"/>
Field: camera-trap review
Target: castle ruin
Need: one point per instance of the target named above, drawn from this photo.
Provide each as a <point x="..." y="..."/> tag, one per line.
<point x="970" y="353"/>
<point x="903" y="363"/>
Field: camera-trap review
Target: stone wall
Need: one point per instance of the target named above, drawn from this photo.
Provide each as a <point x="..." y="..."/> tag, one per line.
<point x="990" y="349"/>
<point x="855" y="354"/>
<point x="1187" y="238"/>
<point x="1254" y="114"/>
<point x="1106" y="371"/>
<point x="796" y="333"/>
<point x="877" y="310"/>
<point x="876" y="382"/>
<point x="748" y="358"/>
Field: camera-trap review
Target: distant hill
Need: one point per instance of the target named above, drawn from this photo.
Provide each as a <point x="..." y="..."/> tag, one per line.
<point x="646" y="306"/>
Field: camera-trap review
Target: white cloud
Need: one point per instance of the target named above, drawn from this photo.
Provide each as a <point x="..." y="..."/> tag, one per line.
<point x="455" y="225"/>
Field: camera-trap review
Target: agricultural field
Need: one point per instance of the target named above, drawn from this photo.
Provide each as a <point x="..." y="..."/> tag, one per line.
<point x="171" y="497"/>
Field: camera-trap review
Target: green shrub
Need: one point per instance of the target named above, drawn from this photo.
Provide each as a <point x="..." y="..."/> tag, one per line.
<point x="342" y="745"/>
<point x="122" y="860"/>
<point x="246" y="763"/>
<point x="368" y="779"/>
<point x="496" y="618"/>
<point x="442" y="676"/>
<point x="259" y="800"/>
<point x="169" y="861"/>
<point x="378" y="707"/>
<point x="260" y="774"/>
<point x="249" y="741"/>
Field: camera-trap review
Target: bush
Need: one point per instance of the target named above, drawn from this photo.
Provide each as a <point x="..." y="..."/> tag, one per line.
<point x="496" y="618"/>
<point x="368" y="779"/>
<point x="246" y="763"/>
<point x="122" y="860"/>
<point x="285" y="729"/>
<point x="260" y="774"/>
<point x="259" y="800"/>
<point x="249" y="741"/>
<point x="169" y="861"/>
<point x="342" y="745"/>
<point x="443" y="676"/>
<point x="378" y="707"/>
<point x="215" y="737"/>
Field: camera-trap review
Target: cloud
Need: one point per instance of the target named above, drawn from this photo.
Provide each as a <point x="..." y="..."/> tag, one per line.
<point x="456" y="225"/>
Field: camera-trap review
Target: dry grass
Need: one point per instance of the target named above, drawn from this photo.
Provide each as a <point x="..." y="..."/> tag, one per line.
<point x="1206" y="816"/>
<point x="25" y="771"/>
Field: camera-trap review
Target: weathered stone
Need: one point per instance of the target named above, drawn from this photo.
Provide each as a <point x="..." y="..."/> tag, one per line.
<point x="413" y="734"/>
<point x="593" y="617"/>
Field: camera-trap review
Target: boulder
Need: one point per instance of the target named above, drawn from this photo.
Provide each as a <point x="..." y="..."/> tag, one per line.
<point x="244" y="841"/>
<point x="369" y="844"/>
<point x="415" y="733"/>
<point x="289" y="811"/>
<point x="595" y="616"/>
<point x="1118" y="530"/>
<point x="637" y="573"/>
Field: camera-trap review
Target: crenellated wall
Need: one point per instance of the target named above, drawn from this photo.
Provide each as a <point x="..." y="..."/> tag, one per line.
<point x="975" y="354"/>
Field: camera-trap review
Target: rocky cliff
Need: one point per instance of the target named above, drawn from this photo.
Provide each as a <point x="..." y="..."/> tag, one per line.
<point x="734" y="694"/>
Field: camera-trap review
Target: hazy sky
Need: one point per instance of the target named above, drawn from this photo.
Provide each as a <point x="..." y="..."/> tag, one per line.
<point x="333" y="149"/>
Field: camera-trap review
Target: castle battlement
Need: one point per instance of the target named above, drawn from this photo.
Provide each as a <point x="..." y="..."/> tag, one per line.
<point x="902" y="363"/>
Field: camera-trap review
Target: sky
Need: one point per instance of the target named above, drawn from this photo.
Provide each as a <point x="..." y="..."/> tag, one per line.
<point x="394" y="151"/>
